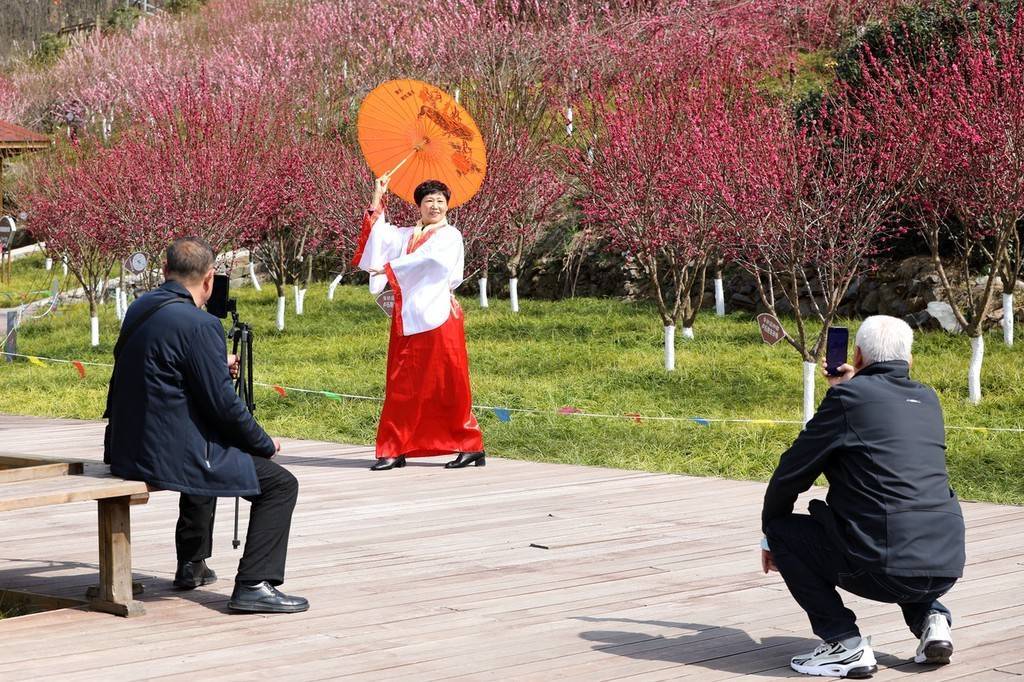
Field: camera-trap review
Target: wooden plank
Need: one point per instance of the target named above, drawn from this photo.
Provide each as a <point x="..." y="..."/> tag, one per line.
<point x="31" y="473"/>
<point x="44" y="492"/>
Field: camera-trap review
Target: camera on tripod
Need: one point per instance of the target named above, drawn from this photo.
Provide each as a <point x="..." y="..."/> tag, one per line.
<point x="220" y="305"/>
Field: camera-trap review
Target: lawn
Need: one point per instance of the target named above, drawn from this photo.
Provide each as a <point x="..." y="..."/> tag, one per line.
<point x="598" y="355"/>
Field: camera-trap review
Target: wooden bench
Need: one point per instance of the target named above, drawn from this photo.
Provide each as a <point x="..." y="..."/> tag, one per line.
<point x="30" y="481"/>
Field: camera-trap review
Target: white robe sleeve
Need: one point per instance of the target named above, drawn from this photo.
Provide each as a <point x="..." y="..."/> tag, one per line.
<point x="380" y="242"/>
<point x="423" y="281"/>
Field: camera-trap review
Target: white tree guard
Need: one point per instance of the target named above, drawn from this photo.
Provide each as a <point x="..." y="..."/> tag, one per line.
<point x="719" y="297"/>
<point x="94" y="324"/>
<point x="1008" y="319"/>
<point x="300" y="300"/>
<point x="670" y="348"/>
<point x="254" y="278"/>
<point x="810" y="371"/>
<point x="974" y="369"/>
<point x="483" y="292"/>
<point x="48" y="264"/>
<point x="333" y="287"/>
<point x="280" y="312"/>
<point x="687" y="332"/>
<point x="513" y="293"/>
<point x="118" y="313"/>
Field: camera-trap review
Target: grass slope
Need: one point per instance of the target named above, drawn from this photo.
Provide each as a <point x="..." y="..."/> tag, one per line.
<point x="598" y="355"/>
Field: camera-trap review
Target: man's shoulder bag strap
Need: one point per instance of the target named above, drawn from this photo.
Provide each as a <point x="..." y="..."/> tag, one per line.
<point x="126" y="334"/>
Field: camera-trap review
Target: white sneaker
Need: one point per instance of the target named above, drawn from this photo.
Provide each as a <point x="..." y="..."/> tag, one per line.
<point x="832" y="659"/>
<point x="936" y="641"/>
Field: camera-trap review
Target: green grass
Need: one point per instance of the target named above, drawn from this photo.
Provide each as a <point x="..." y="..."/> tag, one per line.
<point x="30" y="281"/>
<point x="598" y="355"/>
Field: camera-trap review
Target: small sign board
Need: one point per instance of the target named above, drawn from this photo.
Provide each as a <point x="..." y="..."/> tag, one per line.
<point x="7" y="230"/>
<point x="771" y="329"/>
<point x="137" y="262"/>
<point x="386" y="301"/>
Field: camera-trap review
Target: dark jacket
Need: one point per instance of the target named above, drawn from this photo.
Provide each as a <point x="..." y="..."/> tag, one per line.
<point x="879" y="439"/>
<point x="175" y="420"/>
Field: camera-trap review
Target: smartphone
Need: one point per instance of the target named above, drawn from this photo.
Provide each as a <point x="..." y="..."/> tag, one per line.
<point x="836" y="345"/>
<point x="218" y="303"/>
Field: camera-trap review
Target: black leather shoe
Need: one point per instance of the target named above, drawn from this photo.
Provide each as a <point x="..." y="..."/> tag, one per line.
<point x="192" y="574"/>
<point x="385" y="463"/>
<point x="466" y="458"/>
<point x="264" y="598"/>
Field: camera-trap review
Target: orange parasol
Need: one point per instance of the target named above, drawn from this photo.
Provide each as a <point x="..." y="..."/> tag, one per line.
<point x="413" y="131"/>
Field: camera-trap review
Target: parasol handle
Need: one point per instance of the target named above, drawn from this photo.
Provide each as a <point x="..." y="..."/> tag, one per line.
<point x="401" y="163"/>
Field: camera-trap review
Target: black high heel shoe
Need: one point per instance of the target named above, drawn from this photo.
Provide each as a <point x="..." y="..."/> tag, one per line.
<point x="385" y="463"/>
<point x="466" y="458"/>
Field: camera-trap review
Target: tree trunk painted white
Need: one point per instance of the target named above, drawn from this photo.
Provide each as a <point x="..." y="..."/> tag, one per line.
<point x="118" y="311"/>
<point x="64" y="265"/>
<point x="974" y="369"/>
<point x="254" y="278"/>
<point x="483" y="291"/>
<point x="300" y="300"/>
<point x="124" y="303"/>
<point x="513" y="293"/>
<point x="49" y="264"/>
<point x="670" y="348"/>
<point x="280" y="312"/>
<point x="687" y="332"/>
<point x="810" y="371"/>
<point x="334" y="285"/>
<point x="1008" y="319"/>
<point x="94" y="324"/>
<point x="719" y="297"/>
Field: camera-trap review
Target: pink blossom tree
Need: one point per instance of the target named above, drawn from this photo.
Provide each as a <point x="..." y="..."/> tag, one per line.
<point x="965" y="114"/>
<point x="639" y="185"/>
<point x="809" y="203"/>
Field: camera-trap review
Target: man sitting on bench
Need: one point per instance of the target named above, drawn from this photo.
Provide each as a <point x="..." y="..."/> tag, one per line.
<point x="177" y="424"/>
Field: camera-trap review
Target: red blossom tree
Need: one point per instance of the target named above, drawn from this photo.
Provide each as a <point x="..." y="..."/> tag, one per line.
<point x="964" y="113"/>
<point x="641" y="188"/>
<point x="809" y="202"/>
<point x="66" y="202"/>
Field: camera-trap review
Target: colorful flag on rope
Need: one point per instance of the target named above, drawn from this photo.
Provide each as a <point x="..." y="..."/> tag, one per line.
<point x="635" y="416"/>
<point x="569" y="409"/>
<point x="280" y="391"/>
<point x="36" y="361"/>
<point x="332" y="396"/>
<point x="502" y="414"/>
<point x="701" y="421"/>
<point x="80" y="367"/>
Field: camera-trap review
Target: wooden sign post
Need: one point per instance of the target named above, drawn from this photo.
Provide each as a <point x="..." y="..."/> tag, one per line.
<point x="771" y="329"/>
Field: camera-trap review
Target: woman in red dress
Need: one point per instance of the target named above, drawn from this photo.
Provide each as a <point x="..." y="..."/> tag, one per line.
<point x="428" y="406"/>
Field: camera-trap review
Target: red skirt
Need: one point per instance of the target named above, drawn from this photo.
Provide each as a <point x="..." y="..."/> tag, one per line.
<point x="428" y="406"/>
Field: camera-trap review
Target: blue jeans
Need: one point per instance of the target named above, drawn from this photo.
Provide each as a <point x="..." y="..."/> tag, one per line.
<point x="813" y="567"/>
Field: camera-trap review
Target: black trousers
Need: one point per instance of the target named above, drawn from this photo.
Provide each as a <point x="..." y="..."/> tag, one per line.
<point x="813" y="567"/>
<point x="270" y="520"/>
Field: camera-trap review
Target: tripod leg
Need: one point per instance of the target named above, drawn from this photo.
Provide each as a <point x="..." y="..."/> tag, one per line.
<point x="235" y="542"/>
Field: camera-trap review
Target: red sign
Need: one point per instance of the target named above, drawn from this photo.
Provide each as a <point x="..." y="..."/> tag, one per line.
<point x="771" y="329"/>
<point x="386" y="301"/>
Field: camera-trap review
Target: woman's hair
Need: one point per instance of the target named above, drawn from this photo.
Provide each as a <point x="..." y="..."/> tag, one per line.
<point x="430" y="187"/>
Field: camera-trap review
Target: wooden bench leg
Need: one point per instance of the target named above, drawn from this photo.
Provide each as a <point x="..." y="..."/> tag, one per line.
<point x="115" y="589"/>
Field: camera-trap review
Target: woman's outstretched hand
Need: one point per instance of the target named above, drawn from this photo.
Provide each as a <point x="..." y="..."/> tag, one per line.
<point x="380" y="188"/>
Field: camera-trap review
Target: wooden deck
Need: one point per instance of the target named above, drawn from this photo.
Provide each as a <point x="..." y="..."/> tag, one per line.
<point x="515" y="571"/>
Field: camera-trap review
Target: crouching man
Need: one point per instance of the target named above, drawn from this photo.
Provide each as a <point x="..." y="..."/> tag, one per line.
<point x="890" y="530"/>
<point x="177" y="424"/>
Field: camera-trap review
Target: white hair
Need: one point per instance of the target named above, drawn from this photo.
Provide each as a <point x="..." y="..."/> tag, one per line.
<point x="882" y="338"/>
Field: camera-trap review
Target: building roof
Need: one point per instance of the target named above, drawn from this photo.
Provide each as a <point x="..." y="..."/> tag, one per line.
<point x="15" y="138"/>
